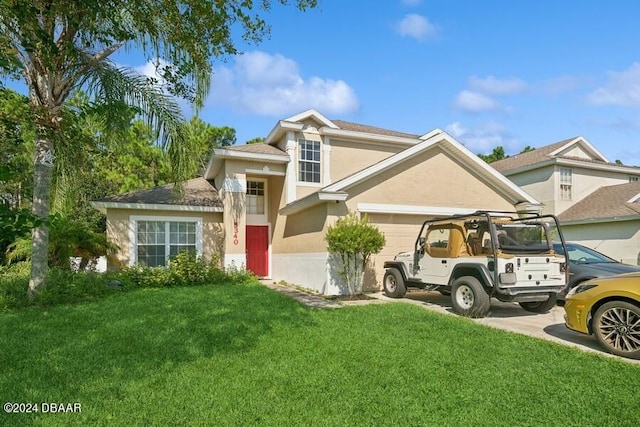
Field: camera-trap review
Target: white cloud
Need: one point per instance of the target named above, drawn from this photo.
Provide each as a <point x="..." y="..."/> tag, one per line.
<point x="482" y="139"/>
<point x="271" y="85"/>
<point x="416" y="26"/>
<point x="150" y="69"/>
<point x="622" y="88"/>
<point x="476" y="102"/>
<point x="561" y="84"/>
<point x="493" y="86"/>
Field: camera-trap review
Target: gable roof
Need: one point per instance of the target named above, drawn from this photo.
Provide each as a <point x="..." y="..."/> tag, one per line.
<point x="259" y="152"/>
<point x="339" y="189"/>
<point x="356" y="127"/>
<point x="197" y="194"/>
<point x="549" y="153"/>
<point x="338" y="128"/>
<point x="612" y="202"/>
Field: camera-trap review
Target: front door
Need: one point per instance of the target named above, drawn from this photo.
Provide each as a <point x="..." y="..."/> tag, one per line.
<point x="258" y="249"/>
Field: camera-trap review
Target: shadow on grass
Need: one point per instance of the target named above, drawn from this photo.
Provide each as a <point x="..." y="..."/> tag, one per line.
<point x="64" y="353"/>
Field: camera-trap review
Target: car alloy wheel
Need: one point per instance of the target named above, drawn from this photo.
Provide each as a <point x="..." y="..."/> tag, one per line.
<point x="617" y="328"/>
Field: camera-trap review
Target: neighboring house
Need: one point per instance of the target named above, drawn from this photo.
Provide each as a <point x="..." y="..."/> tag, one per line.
<point x="268" y="206"/>
<point x="597" y="201"/>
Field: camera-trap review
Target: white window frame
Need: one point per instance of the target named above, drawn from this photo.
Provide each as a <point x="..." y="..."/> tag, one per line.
<point x="301" y="142"/>
<point x="259" y="219"/>
<point x="133" y="233"/>
<point x="566" y="184"/>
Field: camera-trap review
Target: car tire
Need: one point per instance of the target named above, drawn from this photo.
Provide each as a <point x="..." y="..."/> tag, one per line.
<point x="540" y="306"/>
<point x="469" y="298"/>
<point x="616" y="326"/>
<point x="393" y="284"/>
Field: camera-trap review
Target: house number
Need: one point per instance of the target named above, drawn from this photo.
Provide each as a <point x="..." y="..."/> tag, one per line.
<point x="235" y="232"/>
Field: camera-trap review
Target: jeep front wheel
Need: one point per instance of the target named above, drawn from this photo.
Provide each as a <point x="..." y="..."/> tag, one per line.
<point x="394" y="284"/>
<point x="469" y="298"/>
<point x="540" y="306"/>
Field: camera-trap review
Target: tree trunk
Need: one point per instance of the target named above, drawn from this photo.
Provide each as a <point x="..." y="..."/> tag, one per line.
<point x="43" y="168"/>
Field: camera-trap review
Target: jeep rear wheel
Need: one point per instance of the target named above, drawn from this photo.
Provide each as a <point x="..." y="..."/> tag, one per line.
<point x="469" y="298"/>
<point x="540" y="306"/>
<point x="394" y="286"/>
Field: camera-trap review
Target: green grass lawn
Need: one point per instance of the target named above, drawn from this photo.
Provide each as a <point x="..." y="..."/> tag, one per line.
<point x="245" y="355"/>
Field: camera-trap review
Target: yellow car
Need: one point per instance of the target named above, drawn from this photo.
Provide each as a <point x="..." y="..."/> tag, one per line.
<point x="609" y="308"/>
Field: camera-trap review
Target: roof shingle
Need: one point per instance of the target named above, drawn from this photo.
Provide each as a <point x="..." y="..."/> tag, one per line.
<point x="606" y="202"/>
<point x="196" y="192"/>
<point x="356" y="127"/>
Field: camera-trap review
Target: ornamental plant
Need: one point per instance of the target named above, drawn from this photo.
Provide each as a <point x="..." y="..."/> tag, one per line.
<point x="354" y="240"/>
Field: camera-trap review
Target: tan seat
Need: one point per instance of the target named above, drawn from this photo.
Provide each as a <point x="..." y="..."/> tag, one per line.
<point x="474" y="245"/>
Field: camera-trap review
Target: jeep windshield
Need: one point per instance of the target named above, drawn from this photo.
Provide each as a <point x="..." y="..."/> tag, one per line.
<point x="523" y="237"/>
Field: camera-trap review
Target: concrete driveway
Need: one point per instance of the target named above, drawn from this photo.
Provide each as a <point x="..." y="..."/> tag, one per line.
<point x="511" y="317"/>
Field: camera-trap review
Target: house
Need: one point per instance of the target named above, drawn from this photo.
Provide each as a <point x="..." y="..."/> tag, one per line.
<point x="268" y="206"/>
<point x="597" y="201"/>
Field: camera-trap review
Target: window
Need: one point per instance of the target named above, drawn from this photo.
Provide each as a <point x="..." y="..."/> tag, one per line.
<point x="255" y="197"/>
<point x="634" y="178"/>
<point x="157" y="241"/>
<point x="566" y="181"/>
<point x="309" y="161"/>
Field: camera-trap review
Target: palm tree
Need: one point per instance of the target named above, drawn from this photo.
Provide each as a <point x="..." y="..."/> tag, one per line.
<point x="57" y="47"/>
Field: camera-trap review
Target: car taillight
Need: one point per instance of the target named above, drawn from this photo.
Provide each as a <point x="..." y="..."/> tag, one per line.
<point x="508" y="268"/>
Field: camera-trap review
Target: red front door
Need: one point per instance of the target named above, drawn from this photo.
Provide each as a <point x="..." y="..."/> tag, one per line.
<point x="258" y="249"/>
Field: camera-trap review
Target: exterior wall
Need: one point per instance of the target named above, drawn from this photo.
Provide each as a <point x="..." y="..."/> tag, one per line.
<point x="339" y="158"/>
<point x="540" y="183"/>
<point x="299" y="249"/>
<point x="576" y="150"/>
<point x="544" y="184"/>
<point x="118" y="229"/>
<point x="619" y="240"/>
<point x="432" y="179"/>
<point x="349" y="157"/>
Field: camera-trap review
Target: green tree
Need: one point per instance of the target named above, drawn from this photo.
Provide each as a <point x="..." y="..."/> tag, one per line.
<point x="256" y="140"/>
<point x="204" y="138"/>
<point x="354" y="240"/>
<point x="58" y="47"/>
<point x="16" y="142"/>
<point x="496" y="154"/>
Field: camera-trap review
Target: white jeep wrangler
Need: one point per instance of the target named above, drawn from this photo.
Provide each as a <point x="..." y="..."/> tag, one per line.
<point x="474" y="257"/>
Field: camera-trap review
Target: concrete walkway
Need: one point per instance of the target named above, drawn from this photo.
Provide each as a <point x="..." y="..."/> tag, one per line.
<point x="506" y="316"/>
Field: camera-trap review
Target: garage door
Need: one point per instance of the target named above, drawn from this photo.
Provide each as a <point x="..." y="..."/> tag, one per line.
<point x="400" y="232"/>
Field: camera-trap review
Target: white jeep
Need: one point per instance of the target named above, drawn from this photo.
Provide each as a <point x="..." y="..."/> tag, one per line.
<point x="474" y="257"/>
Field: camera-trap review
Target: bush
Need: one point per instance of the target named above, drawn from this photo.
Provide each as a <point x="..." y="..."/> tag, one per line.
<point x="65" y="286"/>
<point x="185" y="269"/>
<point x="354" y="240"/>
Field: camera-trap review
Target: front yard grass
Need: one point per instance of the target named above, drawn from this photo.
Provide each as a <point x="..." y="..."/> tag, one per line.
<point x="245" y="355"/>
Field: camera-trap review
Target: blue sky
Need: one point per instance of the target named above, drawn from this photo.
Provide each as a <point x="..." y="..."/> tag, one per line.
<point x="493" y="72"/>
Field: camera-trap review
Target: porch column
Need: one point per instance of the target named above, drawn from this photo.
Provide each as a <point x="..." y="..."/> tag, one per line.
<point x="234" y="190"/>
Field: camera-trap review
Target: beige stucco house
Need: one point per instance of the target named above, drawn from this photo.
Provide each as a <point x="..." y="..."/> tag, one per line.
<point x="597" y="201"/>
<point x="267" y="206"/>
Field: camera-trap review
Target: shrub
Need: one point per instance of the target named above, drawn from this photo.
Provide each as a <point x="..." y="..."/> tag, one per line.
<point x="354" y="240"/>
<point x="66" y="286"/>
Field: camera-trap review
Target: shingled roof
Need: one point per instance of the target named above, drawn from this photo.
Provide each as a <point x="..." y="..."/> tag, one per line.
<point x="356" y="127"/>
<point x="196" y="192"/>
<point x="606" y="202"/>
<point x="528" y="158"/>
<point x="258" y="148"/>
